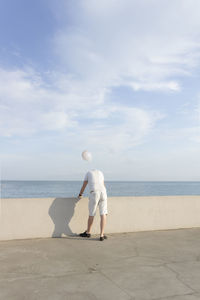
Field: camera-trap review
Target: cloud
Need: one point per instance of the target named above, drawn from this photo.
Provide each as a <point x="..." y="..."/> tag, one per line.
<point x="171" y="85"/>
<point x="103" y="44"/>
<point x="27" y="106"/>
<point x="116" y="129"/>
<point x="83" y="116"/>
<point x="145" y="45"/>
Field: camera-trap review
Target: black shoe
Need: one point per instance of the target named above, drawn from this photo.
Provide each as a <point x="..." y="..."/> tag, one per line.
<point x="103" y="238"/>
<point x="85" y="234"/>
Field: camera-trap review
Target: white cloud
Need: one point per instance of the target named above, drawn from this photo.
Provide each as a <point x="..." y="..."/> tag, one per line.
<point x="171" y="85"/>
<point x="56" y="120"/>
<point x="146" y="45"/>
<point x="30" y="107"/>
<point x="122" y="128"/>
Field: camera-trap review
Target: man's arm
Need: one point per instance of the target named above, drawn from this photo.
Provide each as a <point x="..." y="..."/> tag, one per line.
<point x="83" y="188"/>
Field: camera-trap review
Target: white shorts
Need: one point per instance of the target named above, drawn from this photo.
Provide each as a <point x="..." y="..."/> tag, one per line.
<point x="97" y="198"/>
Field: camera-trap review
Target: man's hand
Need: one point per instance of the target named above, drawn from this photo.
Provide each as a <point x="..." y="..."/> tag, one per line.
<point x="80" y="196"/>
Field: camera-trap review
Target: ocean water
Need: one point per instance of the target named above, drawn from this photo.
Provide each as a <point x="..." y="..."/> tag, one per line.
<point x="42" y="189"/>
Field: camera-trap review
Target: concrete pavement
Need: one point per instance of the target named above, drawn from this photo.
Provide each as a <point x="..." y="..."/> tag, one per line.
<point x="141" y="266"/>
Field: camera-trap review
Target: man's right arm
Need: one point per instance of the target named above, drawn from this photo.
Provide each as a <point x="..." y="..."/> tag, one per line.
<point x="85" y="182"/>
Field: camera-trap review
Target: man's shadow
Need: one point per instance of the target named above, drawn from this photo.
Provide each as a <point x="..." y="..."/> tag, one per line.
<point x="61" y="212"/>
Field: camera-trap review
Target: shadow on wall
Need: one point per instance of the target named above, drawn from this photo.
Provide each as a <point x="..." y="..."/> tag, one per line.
<point x="61" y="212"/>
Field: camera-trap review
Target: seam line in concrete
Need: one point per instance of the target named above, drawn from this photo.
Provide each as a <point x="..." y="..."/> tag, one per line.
<point x="100" y="272"/>
<point x="176" y="295"/>
<point x="170" y="261"/>
<point x="37" y="276"/>
<point x="180" y="279"/>
<point x="113" y="282"/>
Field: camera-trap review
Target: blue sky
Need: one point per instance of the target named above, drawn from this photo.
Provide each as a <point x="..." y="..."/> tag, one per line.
<point x="119" y="78"/>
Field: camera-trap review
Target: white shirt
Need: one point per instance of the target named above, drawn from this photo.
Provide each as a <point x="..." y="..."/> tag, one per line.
<point x="95" y="180"/>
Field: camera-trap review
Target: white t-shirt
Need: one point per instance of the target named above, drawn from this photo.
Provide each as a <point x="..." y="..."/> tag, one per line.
<point x="95" y="180"/>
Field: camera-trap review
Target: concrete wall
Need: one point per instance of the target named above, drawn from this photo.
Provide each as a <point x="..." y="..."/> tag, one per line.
<point x="56" y="217"/>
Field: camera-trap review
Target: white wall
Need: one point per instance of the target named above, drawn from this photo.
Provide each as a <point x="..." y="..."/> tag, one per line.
<point x="55" y="217"/>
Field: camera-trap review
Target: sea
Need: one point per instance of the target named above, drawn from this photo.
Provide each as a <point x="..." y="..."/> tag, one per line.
<point x="45" y="189"/>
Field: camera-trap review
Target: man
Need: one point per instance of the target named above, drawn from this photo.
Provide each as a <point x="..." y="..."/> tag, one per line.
<point x="97" y="197"/>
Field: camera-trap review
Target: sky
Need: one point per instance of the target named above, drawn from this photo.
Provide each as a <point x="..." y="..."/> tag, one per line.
<point x="119" y="78"/>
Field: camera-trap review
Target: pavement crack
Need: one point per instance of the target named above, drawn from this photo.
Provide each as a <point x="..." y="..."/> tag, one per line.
<point x="172" y="296"/>
<point x="178" y="277"/>
<point x="118" y="286"/>
<point x="43" y="276"/>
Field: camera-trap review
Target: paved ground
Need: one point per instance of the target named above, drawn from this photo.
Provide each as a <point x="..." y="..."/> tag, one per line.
<point x="142" y="266"/>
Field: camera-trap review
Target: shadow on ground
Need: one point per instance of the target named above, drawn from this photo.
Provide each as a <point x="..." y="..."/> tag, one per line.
<point x="61" y="212"/>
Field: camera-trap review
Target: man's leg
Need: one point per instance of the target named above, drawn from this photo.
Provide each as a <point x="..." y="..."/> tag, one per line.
<point x="92" y="205"/>
<point x="102" y="224"/>
<point x="103" y="212"/>
<point x="90" y="222"/>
